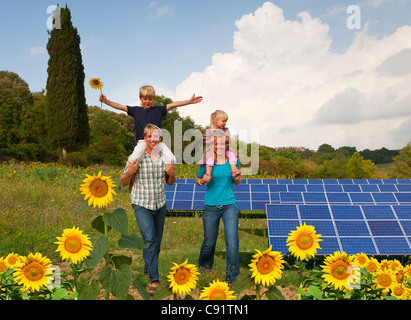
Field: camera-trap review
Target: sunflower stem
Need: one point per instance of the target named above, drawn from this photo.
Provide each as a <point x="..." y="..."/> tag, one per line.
<point x="257" y="292"/>
<point x="107" y="255"/>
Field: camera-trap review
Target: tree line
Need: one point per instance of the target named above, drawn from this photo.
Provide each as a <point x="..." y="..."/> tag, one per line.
<point x="57" y="125"/>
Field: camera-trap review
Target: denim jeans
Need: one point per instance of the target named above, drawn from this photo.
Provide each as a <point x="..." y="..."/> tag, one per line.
<point x="151" y="226"/>
<point x="211" y="222"/>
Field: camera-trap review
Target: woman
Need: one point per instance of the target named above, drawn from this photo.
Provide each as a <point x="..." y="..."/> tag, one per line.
<point x="219" y="203"/>
<point x="148" y="198"/>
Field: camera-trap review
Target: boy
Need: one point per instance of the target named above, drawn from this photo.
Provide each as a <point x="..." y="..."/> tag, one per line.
<point x="148" y="114"/>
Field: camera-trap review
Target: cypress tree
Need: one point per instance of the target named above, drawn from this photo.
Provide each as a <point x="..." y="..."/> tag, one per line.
<point x="66" y="117"/>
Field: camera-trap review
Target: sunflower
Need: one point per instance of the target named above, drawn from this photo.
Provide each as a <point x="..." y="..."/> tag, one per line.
<point x="266" y="267"/>
<point x="400" y="275"/>
<point x="183" y="277"/>
<point x="11" y="260"/>
<point x="3" y="266"/>
<point x="303" y="242"/>
<point x="31" y="272"/>
<point x="394" y="264"/>
<point x="362" y="260"/>
<point x="373" y="265"/>
<point x="95" y="83"/>
<point x="98" y="190"/>
<point x="217" y="291"/>
<point x="400" y="292"/>
<point x="74" y="245"/>
<point x="339" y="271"/>
<point x="385" y="279"/>
<point x="407" y="271"/>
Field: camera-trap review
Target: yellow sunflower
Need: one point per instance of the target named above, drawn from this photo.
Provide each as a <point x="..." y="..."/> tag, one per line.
<point x="385" y="279"/>
<point x="11" y="260"/>
<point x="31" y="272"/>
<point x="407" y="271"/>
<point x="74" y="245"/>
<point x="266" y="267"/>
<point x="217" y="291"/>
<point x="400" y="292"/>
<point x="98" y="190"/>
<point x="361" y="259"/>
<point x="400" y="275"/>
<point x="95" y="83"/>
<point x="3" y="266"/>
<point x="183" y="277"/>
<point x="394" y="265"/>
<point x="340" y="272"/>
<point x="373" y="265"/>
<point x="303" y="242"/>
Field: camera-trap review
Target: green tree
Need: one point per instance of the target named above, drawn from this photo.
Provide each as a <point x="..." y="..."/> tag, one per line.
<point x="66" y="117"/>
<point x="358" y="168"/>
<point x="402" y="163"/>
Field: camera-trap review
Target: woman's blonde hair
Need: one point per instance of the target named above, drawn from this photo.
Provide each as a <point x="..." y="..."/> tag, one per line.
<point x="147" y="92"/>
<point x="218" y="114"/>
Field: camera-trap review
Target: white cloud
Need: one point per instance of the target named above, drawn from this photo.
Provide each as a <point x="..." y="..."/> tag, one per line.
<point x="37" y="51"/>
<point x="160" y="10"/>
<point x="282" y="79"/>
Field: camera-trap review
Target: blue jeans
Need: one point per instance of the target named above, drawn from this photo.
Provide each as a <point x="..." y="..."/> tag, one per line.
<point x="211" y="222"/>
<point x="151" y="226"/>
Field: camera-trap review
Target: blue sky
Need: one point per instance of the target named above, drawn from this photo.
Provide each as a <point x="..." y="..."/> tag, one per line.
<point x="292" y="70"/>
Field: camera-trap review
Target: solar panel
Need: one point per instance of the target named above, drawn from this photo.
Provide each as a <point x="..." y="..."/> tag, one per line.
<point x="372" y="229"/>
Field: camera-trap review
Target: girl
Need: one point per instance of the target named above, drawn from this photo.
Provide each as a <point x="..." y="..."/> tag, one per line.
<point x="218" y="122"/>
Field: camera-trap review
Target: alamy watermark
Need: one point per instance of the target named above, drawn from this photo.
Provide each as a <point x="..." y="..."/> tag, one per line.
<point x="244" y="144"/>
<point x="354" y="20"/>
<point x="53" y="21"/>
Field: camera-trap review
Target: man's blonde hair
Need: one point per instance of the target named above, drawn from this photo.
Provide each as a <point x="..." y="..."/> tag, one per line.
<point x="150" y="128"/>
<point x="218" y="114"/>
<point x="147" y="92"/>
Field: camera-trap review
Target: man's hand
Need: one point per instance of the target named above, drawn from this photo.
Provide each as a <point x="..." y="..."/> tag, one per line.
<point x="170" y="169"/>
<point x="133" y="167"/>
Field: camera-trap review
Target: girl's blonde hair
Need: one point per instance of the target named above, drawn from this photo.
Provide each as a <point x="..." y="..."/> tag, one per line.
<point x="150" y="128"/>
<point x="218" y="114"/>
<point x="147" y="92"/>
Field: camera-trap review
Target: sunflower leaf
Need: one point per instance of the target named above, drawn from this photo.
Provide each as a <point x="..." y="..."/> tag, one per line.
<point x="117" y="220"/>
<point x="82" y="208"/>
<point x="131" y="241"/>
<point x="117" y="281"/>
<point x="273" y="293"/>
<point x="243" y="282"/>
<point x="100" y="247"/>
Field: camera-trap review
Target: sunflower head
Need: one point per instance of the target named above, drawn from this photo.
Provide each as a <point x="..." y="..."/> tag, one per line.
<point x="385" y="279"/>
<point x="98" y="190"/>
<point x="183" y="277"/>
<point x="266" y="267"/>
<point x="12" y="260"/>
<point x="303" y="242"/>
<point x="362" y="260"/>
<point x="217" y="291"/>
<point x="339" y="270"/>
<point x="74" y="245"/>
<point x="3" y="266"/>
<point x="31" y="272"/>
<point x="373" y="265"/>
<point x="95" y="83"/>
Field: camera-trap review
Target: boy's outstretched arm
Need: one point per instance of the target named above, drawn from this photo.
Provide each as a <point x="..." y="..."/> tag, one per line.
<point x="176" y="104"/>
<point x="112" y="104"/>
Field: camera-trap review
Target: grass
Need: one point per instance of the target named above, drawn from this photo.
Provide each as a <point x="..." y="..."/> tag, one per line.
<point x="38" y="201"/>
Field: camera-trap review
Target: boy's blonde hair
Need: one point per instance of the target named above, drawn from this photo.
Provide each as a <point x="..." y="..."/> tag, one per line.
<point x="218" y="114"/>
<point x="150" y="128"/>
<point x="147" y="92"/>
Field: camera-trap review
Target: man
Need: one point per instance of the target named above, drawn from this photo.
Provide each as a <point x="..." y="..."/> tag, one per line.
<point x="148" y="198"/>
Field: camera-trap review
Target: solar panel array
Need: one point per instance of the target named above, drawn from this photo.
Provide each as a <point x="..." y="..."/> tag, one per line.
<point x="254" y="194"/>
<point x="372" y="216"/>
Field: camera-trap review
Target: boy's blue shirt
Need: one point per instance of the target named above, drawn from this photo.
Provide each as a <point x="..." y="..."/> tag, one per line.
<point x="220" y="188"/>
<point x="142" y="117"/>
